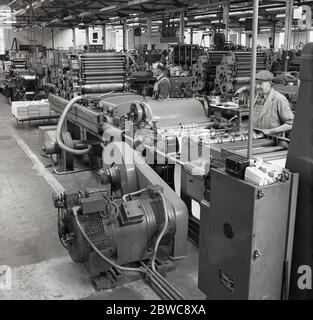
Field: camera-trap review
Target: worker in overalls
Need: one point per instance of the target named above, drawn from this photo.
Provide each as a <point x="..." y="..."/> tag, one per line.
<point x="162" y="86"/>
<point x="272" y="113"/>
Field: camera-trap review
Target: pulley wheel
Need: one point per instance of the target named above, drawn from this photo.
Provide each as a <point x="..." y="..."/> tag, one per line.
<point x="137" y="110"/>
<point x="119" y="158"/>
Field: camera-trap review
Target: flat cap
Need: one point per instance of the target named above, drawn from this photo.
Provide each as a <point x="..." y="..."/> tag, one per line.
<point x="264" y="75"/>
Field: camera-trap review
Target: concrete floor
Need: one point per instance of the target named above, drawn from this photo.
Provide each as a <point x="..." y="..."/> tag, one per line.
<point x="29" y="242"/>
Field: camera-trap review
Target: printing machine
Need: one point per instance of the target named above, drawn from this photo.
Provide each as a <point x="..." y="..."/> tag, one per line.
<point x="234" y="72"/>
<point x="176" y="135"/>
<point x="93" y="73"/>
<point x="181" y="149"/>
<point x="22" y="82"/>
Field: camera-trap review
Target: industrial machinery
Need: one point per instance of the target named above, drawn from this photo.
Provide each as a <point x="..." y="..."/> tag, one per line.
<point x="192" y="148"/>
<point x="204" y="71"/>
<point x="292" y="59"/>
<point x="181" y="87"/>
<point x="163" y="114"/>
<point x="234" y="72"/>
<point x="246" y="238"/>
<point x="185" y="55"/>
<point x="300" y="160"/>
<point x="172" y="133"/>
<point x="18" y="64"/>
<point x="94" y="73"/>
<point x="85" y="121"/>
<point x="142" y="82"/>
<point x="132" y="225"/>
<point x="211" y="148"/>
<point x="22" y="82"/>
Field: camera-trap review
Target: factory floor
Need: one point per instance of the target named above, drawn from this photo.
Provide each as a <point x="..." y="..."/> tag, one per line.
<point x="29" y="244"/>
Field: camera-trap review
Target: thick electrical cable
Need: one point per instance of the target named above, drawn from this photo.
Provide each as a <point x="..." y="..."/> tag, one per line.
<point x="60" y="127"/>
<point x="166" y="288"/>
<point x="61" y="123"/>
<point x="157" y="243"/>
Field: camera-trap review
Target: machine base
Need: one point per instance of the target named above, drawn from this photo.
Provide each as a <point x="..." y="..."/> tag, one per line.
<point x="113" y="277"/>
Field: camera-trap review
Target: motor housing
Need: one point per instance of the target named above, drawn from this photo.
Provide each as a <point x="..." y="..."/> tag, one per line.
<point x="124" y="231"/>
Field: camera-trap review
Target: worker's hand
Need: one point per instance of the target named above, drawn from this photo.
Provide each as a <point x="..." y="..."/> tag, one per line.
<point x="267" y="132"/>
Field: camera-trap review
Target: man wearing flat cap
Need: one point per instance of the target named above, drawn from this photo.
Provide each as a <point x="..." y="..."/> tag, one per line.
<point x="272" y="113"/>
<point x="162" y="86"/>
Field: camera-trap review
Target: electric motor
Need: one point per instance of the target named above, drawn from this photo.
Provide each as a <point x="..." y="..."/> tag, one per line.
<point x="125" y="230"/>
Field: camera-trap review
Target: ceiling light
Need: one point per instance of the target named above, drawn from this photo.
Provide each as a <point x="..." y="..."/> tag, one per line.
<point x="276" y="9"/>
<point x="194" y="23"/>
<point x="205" y="16"/>
<point x="19" y="12"/>
<point x="109" y="8"/>
<point x="70" y="17"/>
<point x="56" y="20"/>
<point x="239" y="13"/>
<point x="85" y="14"/>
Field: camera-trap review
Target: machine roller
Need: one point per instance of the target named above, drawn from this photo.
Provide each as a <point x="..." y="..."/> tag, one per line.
<point x="94" y="73"/>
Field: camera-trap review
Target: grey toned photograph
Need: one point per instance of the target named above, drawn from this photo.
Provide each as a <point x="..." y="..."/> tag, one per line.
<point x="156" y="151"/>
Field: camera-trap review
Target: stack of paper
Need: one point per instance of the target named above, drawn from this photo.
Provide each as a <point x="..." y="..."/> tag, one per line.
<point x="31" y="109"/>
<point x="263" y="173"/>
<point x="20" y="109"/>
<point x="257" y="177"/>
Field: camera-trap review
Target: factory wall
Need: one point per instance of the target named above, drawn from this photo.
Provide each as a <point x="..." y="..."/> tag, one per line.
<point x="62" y="38"/>
<point x="139" y="42"/>
<point x="296" y="39"/>
<point x="114" y="39"/>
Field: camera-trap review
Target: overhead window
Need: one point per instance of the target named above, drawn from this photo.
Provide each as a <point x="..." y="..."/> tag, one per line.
<point x="7" y="18"/>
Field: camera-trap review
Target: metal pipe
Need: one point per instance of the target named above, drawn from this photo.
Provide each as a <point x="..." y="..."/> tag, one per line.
<point x="87" y="37"/>
<point x="182" y="27"/>
<point x="163" y="282"/>
<point x="149" y="23"/>
<point x="52" y="36"/>
<point x="226" y="8"/>
<point x="74" y="39"/>
<point x="104" y="37"/>
<point x="125" y="36"/>
<point x="152" y="278"/>
<point x="288" y="25"/>
<point x="253" y="74"/>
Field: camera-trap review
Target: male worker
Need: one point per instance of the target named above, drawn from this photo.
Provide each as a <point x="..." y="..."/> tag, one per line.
<point x="162" y="86"/>
<point x="272" y="113"/>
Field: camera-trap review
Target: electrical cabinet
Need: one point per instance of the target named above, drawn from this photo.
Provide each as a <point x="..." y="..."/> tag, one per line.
<point x="246" y="237"/>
